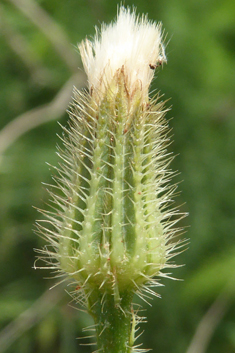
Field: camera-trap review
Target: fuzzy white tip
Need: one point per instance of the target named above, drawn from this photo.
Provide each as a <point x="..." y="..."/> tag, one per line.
<point x="133" y="43"/>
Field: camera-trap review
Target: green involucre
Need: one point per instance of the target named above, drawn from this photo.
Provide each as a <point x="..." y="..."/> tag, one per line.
<point x="112" y="229"/>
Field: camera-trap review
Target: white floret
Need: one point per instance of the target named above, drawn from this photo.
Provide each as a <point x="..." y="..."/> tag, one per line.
<point x="131" y="42"/>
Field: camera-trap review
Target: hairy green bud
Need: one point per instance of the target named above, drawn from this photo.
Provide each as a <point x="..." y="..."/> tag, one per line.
<point x="112" y="231"/>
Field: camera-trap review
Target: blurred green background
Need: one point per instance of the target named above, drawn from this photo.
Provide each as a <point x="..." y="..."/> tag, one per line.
<point x="38" y="66"/>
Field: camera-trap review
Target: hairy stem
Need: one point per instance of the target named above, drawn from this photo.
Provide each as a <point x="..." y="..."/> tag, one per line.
<point x="113" y="322"/>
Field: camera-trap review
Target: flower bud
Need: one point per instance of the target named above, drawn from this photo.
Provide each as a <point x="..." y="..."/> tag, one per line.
<point x="112" y="230"/>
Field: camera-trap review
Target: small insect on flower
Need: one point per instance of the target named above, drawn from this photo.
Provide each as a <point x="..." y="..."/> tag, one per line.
<point x="159" y="63"/>
<point x="152" y="67"/>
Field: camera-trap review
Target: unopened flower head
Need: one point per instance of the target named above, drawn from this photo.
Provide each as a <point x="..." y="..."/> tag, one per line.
<point x="113" y="230"/>
<point x="132" y="43"/>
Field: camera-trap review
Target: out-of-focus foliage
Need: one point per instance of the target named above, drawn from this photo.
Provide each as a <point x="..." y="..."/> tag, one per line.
<point x="200" y="80"/>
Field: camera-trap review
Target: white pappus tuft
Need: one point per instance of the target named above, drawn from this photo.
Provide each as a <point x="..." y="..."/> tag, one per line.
<point x="133" y="42"/>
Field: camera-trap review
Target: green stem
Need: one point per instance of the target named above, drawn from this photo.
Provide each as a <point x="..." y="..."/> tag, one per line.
<point x="113" y="322"/>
